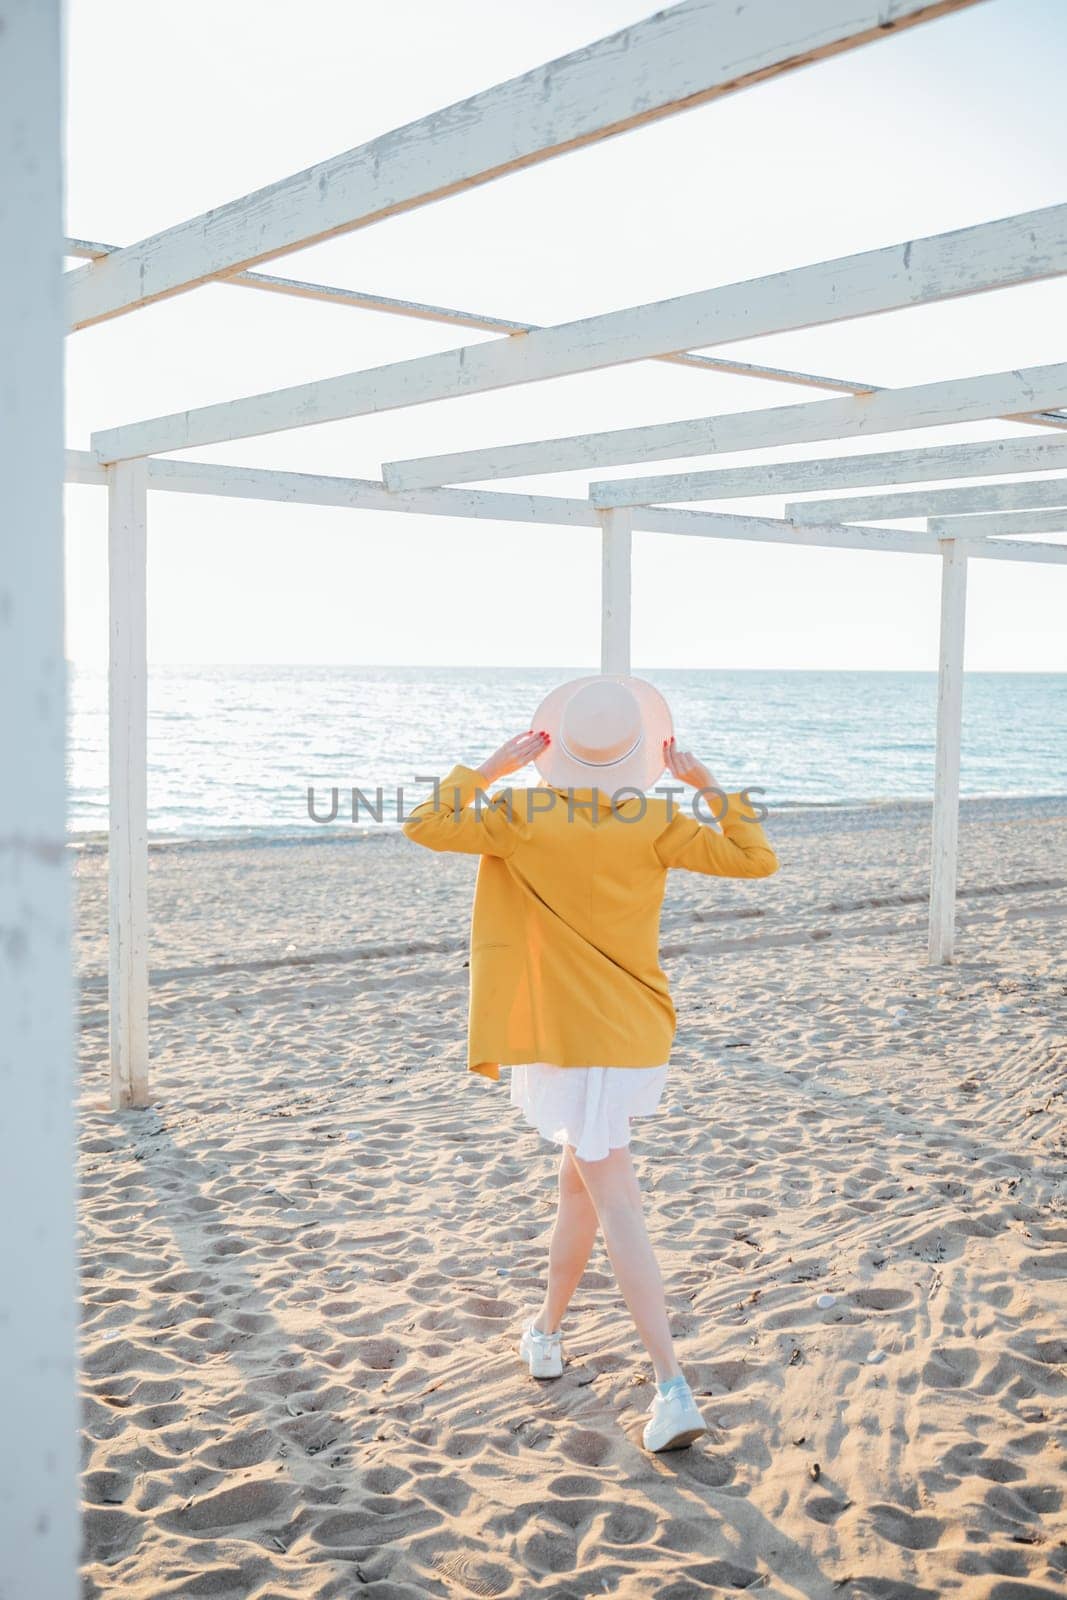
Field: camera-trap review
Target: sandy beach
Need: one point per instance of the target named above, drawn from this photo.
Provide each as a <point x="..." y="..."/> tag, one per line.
<point x="304" y="1268"/>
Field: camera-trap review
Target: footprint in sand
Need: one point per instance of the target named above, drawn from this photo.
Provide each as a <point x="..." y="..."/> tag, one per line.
<point x="482" y="1306"/>
<point x="474" y="1574"/>
<point x="1023" y="1502"/>
<point x="446" y="1491"/>
<point x="109" y="1534"/>
<point x="700" y="1466"/>
<point x="572" y="1483"/>
<point x="1051" y="1266"/>
<point x="722" y="1575"/>
<point x="628" y="1525"/>
<point x="380" y="1355"/>
<point x="545" y="1550"/>
<point x="230" y="1508"/>
<point x="901" y="1528"/>
<point x="825" y="1508"/>
<point x="462" y="1446"/>
<point x="950" y="1369"/>
<point x="880" y="1299"/>
<point x="571" y="1513"/>
<point x="107" y="1488"/>
<point x="240" y="1450"/>
<point x="365" y="1528"/>
<point x="384" y="1480"/>
<point x="969" y="1461"/>
<point x="588" y="1447"/>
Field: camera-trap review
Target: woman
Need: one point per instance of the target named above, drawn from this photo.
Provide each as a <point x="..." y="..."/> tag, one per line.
<point x="565" y="983"/>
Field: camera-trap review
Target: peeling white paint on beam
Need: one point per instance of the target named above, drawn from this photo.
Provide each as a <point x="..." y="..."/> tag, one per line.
<point x="683" y="56"/>
<point x="774" y="530"/>
<point x="357" y="299"/>
<point x="833" y="536"/>
<point x="361" y="300"/>
<point x="933" y="502"/>
<point x="925" y="405"/>
<point x="999" y="254"/>
<point x="934" y="462"/>
<point x="1000" y="522"/>
<point x="357" y="494"/>
<point x="1013" y="550"/>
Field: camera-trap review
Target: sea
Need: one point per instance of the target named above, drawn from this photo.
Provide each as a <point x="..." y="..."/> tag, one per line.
<point x="255" y="752"/>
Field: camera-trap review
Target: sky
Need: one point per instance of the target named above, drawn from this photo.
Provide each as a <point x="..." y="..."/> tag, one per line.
<point x="171" y="112"/>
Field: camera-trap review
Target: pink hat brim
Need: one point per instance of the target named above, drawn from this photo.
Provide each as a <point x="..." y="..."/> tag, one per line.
<point x="638" y="770"/>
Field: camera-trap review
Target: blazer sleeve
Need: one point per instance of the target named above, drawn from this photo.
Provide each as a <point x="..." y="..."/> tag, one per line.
<point x="741" y="850"/>
<point x="462" y="815"/>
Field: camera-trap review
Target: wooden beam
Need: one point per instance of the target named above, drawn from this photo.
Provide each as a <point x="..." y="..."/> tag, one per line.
<point x="992" y="255"/>
<point x="1014" y="550"/>
<point x="945" y="826"/>
<point x="330" y="294"/>
<point x="39" y="1463"/>
<point x="933" y="462"/>
<point x="357" y="494"/>
<point x="362" y="300"/>
<point x="985" y="527"/>
<point x="925" y="405"/>
<point x="683" y="56"/>
<point x="615" y="590"/>
<point x="932" y="502"/>
<point x="81" y="466"/>
<point x="299" y="488"/>
<point x="127" y="776"/>
<point x="831" y="536"/>
<point x="773" y="530"/>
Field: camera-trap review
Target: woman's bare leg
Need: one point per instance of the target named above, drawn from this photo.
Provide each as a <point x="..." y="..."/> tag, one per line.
<point x="616" y="1194"/>
<point x="571" y="1245"/>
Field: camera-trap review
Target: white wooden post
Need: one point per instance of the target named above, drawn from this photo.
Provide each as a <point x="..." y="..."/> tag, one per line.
<point x="38" y="1263"/>
<point x="617" y="537"/>
<point x="945" y="832"/>
<point x="128" y="779"/>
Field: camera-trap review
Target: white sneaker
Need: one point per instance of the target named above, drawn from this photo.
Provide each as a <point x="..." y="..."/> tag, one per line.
<point x="675" y="1421"/>
<point x="543" y="1351"/>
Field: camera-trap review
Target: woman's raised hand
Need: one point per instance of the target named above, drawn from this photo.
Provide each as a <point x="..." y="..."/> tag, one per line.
<point x="514" y="755"/>
<point x="683" y="764"/>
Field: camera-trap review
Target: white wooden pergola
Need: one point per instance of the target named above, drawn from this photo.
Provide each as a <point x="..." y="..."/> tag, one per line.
<point x="681" y="57"/>
<point x="684" y="56"/>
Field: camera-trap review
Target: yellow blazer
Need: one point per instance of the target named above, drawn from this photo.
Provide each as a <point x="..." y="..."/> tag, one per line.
<point x="564" y="951"/>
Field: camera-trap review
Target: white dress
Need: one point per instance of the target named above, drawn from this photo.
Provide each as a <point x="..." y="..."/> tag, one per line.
<point x="587" y="1107"/>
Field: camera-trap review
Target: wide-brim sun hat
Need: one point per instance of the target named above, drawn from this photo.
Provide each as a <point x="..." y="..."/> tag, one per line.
<point x="607" y="732"/>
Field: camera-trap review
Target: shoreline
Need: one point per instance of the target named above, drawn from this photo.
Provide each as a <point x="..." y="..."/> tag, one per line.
<point x="91" y="842"/>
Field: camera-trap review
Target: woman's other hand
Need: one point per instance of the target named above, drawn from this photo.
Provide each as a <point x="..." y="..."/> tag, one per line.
<point x="514" y="755"/>
<point x="684" y="765"/>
